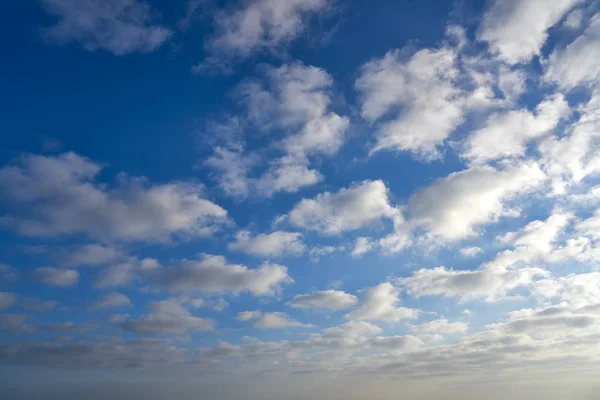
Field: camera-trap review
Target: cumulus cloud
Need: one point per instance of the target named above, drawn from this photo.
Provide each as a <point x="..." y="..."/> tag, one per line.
<point x="110" y="300"/>
<point x="516" y="30"/>
<point x="16" y="324"/>
<point x="441" y="326"/>
<point x="91" y="255"/>
<point x="507" y="134"/>
<point x="381" y="303"/>
<point x="123" y="273"/>
<point x="455" y="207"/>
<point x="56" y="276"/>
<point x="355" y="207"/>
<point x="362" y="245"/>
<point x="118" y="26"/>
<point x="328" y="299"/>
<point x="570" y="158"/>
<point x="214" y="275"/>
<point x="256" y="26"/>
<point x="489" y="283"/>
<point x="7" y="300"/>
<point x="470" y="251"/>
<point x="60" y="195"/>
<point x="294" y="99"/>
<point x="168" y="317"/>
<point x="578" y="63"/>
<point x="275" y="244"/>
<point x="420" y="91"/>
<point x="271" y="320"/>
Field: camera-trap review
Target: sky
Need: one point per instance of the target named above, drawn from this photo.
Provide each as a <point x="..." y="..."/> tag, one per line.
<point x="299" y="199"/>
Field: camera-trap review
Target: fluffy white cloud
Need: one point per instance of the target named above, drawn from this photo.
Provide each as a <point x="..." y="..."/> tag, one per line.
<point x="537" y="242"/>
<point x="7" y="300"/>
<point x="489" y="283"/>
<point x="423" y="89"/>
<point x="168" y="317"/>
<point x="441" y="326"/>
<point x="319" y="251"/>
<point x="92" y="255"/>
<point x="579" y="62"/>
<point x="120" y="274"/>
<point x="516" y="30"/>
<point x="572" y="157"/>
<point x="275" y="244"/>
<point x="355" y="207"/>
<point x="214" y="275"/>
<point x="507" y="134"/>
<point x="271" y="320"/>
<point x="118" y="26"/>
<point x="248" y="315"/>
<point x="362" y="245"/>
<point x="470" y="251"/>
<point x="56" y="276"/>
<point x="110" y="300"/>
<point x="60" y="196"/>
<point x="329" y="299"/>
<point x="352" y="329"/>
<point x="293" y="99"/>
<point x="456" y="206"/>
<point x="380" y="303"/>
<point x="255" y="26"/>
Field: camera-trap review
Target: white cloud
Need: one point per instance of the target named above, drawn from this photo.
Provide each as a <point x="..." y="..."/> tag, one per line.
<point x="574" y="20"/>
<point x="579" y="62"/>
<point x="214" y="275"/>
<point x="516" y="30"/>
<point x="470" y="251"/>
<point x="168" y="317"/>
<point x="489" y="283"/>
<point x="91" y="255"/>
<point x="572" y="157"/>
<point x="7" y="300"/>
<point x="353" y="329"/>
<point x="380" y="303"/>
<point x="60" y="196"/>
<point x="328" y="299"/>
<point x="118" y="26"/>
<point x="56" y="276"/>
<point x="278" y="320"/>
<point x="287" y="174"/>
<point x="255" y="26"/>
<point x="422" y="93"/>
<point x="123" y="273"/>
<point x="271" y="320"/>
<point x="362" y="245"/>
<point x="294" y="99"/>
<point x="507" y="134"/>
<point x="248" y="315"/>
<point x="455" y="207"/>
<point x="110" y="300"/>
<point x="441" y="326"/>
<point x="275" y="244"/>
<point x="319" y="251"/>
<point x="352" y="208"/>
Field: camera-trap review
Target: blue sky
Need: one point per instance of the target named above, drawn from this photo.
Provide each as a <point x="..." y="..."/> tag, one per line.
<point x="349" y="198"/>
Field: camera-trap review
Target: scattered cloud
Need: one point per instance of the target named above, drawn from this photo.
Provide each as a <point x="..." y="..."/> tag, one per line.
<point x="118" y="26"/>
<point x="327" y="299"/>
